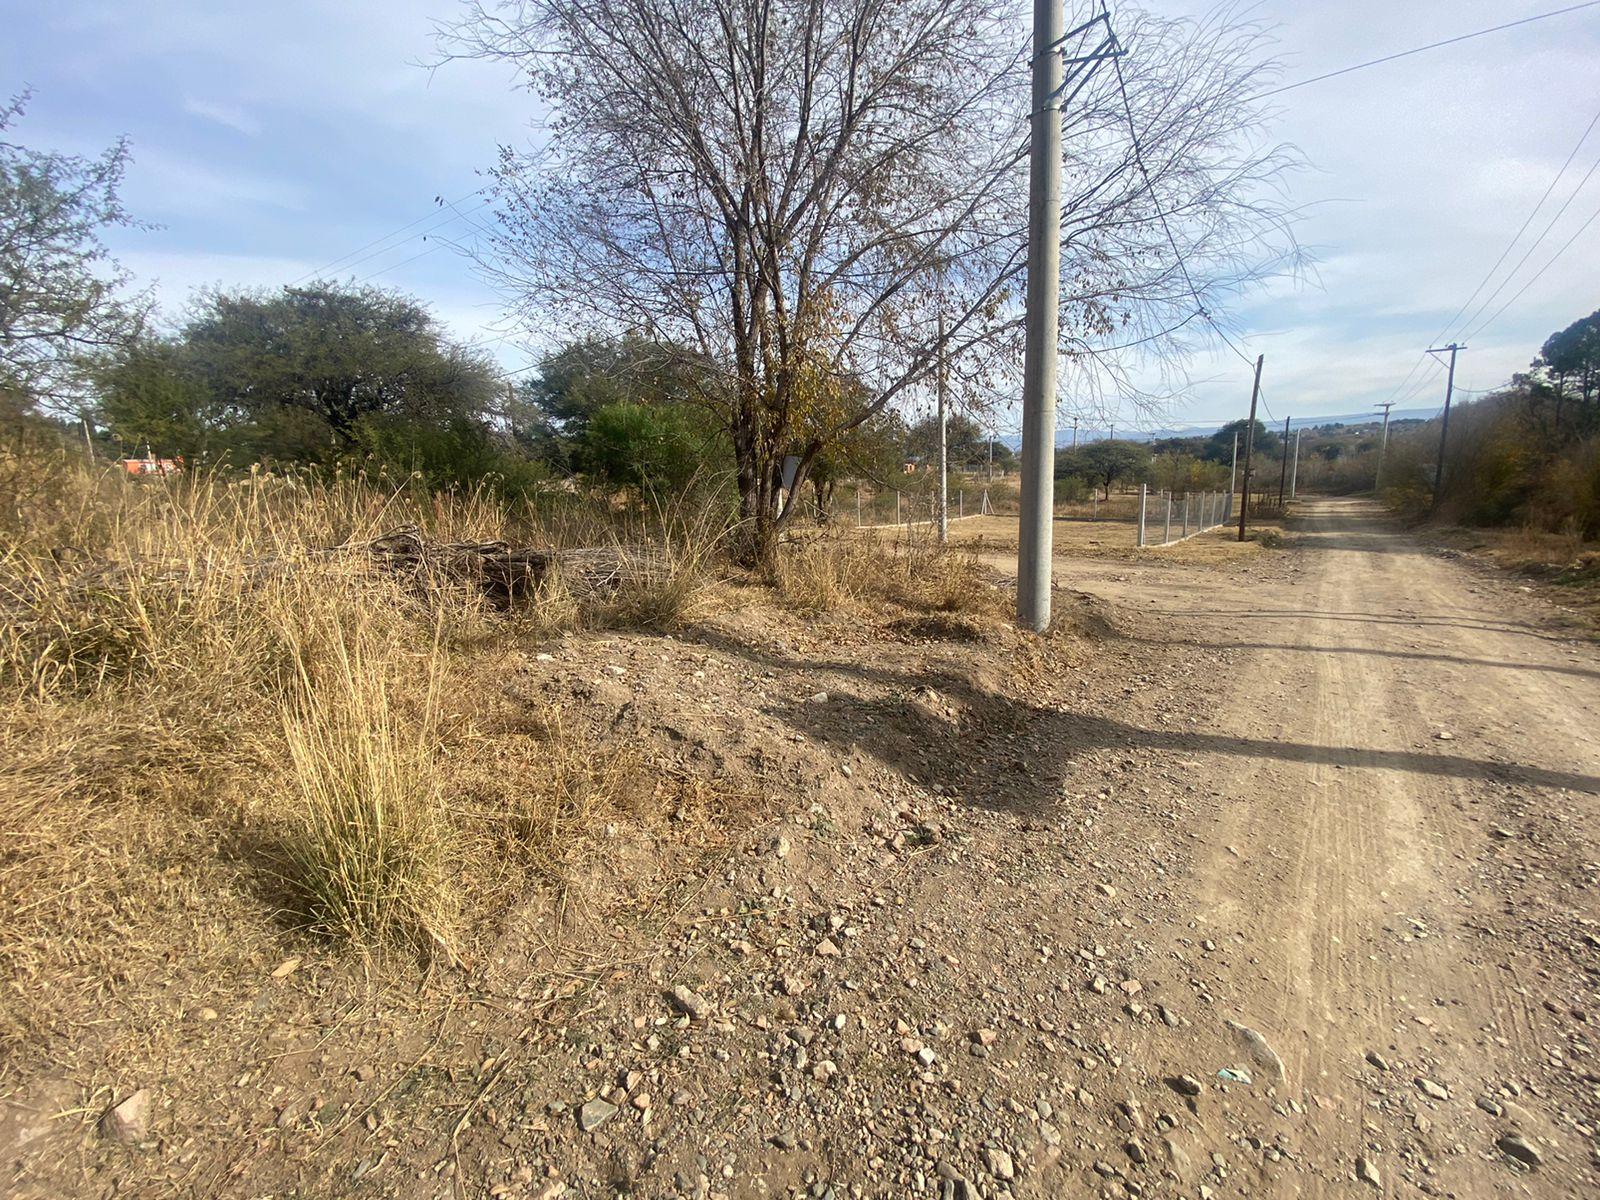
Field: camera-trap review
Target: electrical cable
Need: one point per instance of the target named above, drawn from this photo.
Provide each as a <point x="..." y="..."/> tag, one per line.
<point x="341" y="260"/>
<point x="1536" y="275"/>
<point x="1450" y="41"/>
<point x="1534" y="245"/>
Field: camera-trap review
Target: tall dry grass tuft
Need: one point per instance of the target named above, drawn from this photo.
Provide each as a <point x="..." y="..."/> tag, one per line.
<point x="367" y="847"/>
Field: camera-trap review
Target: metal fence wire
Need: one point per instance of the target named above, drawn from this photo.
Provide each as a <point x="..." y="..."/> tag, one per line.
<point x="1165" y="519"/>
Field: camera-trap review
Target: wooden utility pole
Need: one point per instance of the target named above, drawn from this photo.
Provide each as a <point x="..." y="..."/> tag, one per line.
<point x="1383" y="444"/>
<point x="1249" y="444"/>
<point x="1444" y="425"/>
<point x="1283" y="471"/>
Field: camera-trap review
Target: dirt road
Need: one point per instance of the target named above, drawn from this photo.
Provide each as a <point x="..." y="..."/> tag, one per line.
<point x="1410" y="851"/>
<point x="1277" y="877"/>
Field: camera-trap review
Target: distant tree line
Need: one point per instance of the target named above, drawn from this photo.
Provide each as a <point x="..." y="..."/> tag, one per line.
<point x="1527" y="453"/>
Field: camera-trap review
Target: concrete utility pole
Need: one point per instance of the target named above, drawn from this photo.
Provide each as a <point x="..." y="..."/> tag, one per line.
<point x="1034" y="544"/>
<point x="991" y="456"/>
<point x="1249" y="444"/>
<point x="1294" y="471"/>
<point x="1283" y="471"/>
<point x="1383" y="444"/>
<point x="1444" y="425"/>
<point x="944" y="435"/>
<point x="1074" y="433"/>
<point x="1233" y="469"/>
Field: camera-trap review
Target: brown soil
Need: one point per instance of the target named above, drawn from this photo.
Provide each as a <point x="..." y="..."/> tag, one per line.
<point x="1343" y="793"/>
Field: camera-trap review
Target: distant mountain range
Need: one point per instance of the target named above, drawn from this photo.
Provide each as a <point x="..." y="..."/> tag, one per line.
<point x="1064" y="437"/>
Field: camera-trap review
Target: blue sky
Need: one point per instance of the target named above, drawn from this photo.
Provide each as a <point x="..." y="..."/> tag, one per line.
<point x="274" y="139"/>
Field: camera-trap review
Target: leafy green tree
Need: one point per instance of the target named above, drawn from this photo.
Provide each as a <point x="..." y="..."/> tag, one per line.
<point x="62" y="297"/>
<point x="1572" y="356"/>
<point x="306" y="366"/>
<point x="1219" y="447"/>
<point x="964" y="440"/>
<point x="1179" y="473"/>
<point x="1104" y="463"/>
<point x="1005" y="458"/>
<point x="653" y="447"/>
<point x="149" y="398"/>
<point x="551" y="412"/>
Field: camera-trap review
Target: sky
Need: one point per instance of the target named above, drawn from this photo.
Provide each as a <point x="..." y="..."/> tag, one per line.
<point x="276" y="142"/>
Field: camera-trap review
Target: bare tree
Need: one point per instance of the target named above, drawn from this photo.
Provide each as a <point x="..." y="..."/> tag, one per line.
<point x="790" y="189"/>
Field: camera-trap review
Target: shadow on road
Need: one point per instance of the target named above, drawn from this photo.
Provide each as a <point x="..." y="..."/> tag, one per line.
<point x="1436" y="620"/>
<point x="1410" y="655"/>
<point x="1005" y="753"/>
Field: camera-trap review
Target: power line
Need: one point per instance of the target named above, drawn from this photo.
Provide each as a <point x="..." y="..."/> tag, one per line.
<point x="1527" y="254"/>
<point x="1504" y="254"/>
<point x="341" y="260"/>
<point x="1450" y="41"/>
<point x="1161" y="214"/>
<point x="1535" y="279"/>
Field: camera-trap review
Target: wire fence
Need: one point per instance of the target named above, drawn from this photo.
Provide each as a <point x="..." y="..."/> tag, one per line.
<point x="1165" y="519"/>
<point x="1152" y="519"/>
<point x="890" y="507"/>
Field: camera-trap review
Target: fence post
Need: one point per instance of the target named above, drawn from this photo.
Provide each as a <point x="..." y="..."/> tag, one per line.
<point x="1094" y="505"/>
<point x="1144" y="489"/>
<point x="897" y="506"/>
<point x="1166" y="530"/>
<point x="961" y="503"/>
<point x="1186" y="514"/>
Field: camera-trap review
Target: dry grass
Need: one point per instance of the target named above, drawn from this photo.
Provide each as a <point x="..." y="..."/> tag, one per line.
<point x="210" y="726"/>
<point x="843" y="569"/>
<point x="366" y="851"/>
<point x="1566" y="562"/>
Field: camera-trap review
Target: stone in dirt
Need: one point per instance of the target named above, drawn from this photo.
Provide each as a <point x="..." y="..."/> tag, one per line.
<point x="1514" y="1145"/>
<point x="129" y="1120"/>
<point x="1431" y="1089"/>
<point x="1377" y="1060"/>
<point x="1367" y="1172"/>
<point x="690" y="1003"/>
<point x="1258" y="1049"/>
<point x="595" y="1114"/>
<point x="999" y="1164"/>
<point x="1184" y="1085"/>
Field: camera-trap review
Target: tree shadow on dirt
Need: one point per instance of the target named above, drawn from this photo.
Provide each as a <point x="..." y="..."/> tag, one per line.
<point x="996" y="752"/>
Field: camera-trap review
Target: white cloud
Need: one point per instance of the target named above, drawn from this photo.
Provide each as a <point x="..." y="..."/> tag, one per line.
<point x="225" y="115"/>
<point x="164" y="185"/>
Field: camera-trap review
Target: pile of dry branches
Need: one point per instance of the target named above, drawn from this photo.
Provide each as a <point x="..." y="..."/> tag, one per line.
<point x="507" y="574"/>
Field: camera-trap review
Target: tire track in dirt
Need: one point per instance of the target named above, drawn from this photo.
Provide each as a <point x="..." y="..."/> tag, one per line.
<point x="1344" y="858"/>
